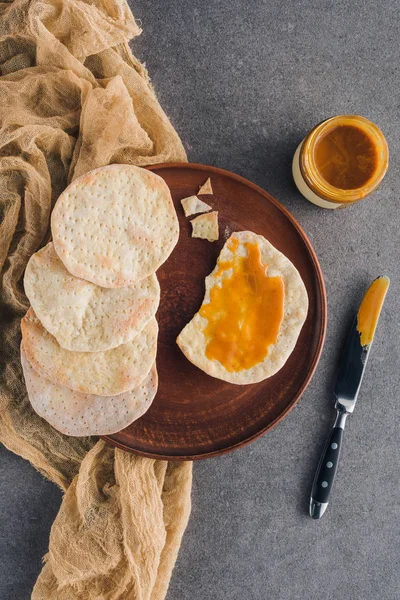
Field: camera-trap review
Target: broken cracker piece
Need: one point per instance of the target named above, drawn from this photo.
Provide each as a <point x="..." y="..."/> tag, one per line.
<point x="193" y="205"/>
<point x="206" y="226"/>
<point x="205" y="188"/>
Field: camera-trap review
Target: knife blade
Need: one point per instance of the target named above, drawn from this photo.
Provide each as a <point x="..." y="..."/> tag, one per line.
<point x="347" y="387"/>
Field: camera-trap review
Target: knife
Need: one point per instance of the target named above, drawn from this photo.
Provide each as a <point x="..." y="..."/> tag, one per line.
<point x="348" y="382"/>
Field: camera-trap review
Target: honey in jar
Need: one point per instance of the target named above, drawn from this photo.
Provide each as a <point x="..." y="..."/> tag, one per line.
<point x="341" y="161"/>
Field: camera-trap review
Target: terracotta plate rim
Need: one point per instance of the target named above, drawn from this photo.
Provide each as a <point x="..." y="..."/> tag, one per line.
<point x="321" y="340"/>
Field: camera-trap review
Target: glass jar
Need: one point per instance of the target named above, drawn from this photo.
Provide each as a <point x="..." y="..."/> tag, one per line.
<point x="341" y="161"/>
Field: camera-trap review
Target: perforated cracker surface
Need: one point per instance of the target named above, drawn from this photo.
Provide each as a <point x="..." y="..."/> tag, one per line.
<point x="192" y="205"/>
<point x="102" y="373"/>
<point x="83" y="316"/>
<point x="78" y="414"/>
<point x="206" y="227"/>
<point x="115" y="226"/>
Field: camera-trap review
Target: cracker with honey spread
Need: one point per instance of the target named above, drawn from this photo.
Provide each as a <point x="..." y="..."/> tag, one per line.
<point x="252" y="313"/>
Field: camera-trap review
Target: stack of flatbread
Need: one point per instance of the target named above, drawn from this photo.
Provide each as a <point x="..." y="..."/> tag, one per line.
<point x="89" y="340"/>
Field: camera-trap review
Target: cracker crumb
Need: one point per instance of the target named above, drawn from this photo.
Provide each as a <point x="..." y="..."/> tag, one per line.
<point x="206" y="226"/>
<point x="206" y="188"/>
<point x="192" y="205"/>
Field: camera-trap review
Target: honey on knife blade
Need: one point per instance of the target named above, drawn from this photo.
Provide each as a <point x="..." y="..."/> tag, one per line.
<point x="370" y="308"/>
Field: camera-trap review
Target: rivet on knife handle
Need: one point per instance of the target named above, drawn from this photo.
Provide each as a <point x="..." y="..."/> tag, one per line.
<point x="327" y="467"/>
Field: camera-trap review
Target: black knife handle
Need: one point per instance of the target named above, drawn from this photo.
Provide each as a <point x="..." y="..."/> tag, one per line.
<point x="327" y="466"/>
<point x="325" y="475"/>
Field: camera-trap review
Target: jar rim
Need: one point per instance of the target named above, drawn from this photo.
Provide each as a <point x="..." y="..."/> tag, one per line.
<point x="312" y="175"/>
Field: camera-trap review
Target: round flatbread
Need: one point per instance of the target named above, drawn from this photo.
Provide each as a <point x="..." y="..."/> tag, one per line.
<point x="115" y="225"/>
<point x="82" y="316"/>
<point x="102" y="373"/>
<point x="193" y="342"/>
<point x="78" y="414"/>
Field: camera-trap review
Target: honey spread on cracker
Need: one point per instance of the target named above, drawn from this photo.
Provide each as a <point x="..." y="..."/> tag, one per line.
<point x="245" y="313"/>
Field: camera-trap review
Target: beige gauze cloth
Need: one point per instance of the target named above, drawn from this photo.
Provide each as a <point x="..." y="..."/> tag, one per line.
<point x="72" y="98"/>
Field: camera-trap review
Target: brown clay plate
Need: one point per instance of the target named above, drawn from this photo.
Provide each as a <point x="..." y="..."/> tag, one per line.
<point x="194" y="415"/>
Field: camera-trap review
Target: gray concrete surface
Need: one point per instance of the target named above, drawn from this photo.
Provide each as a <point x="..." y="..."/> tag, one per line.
<point x="242" y="83"/>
